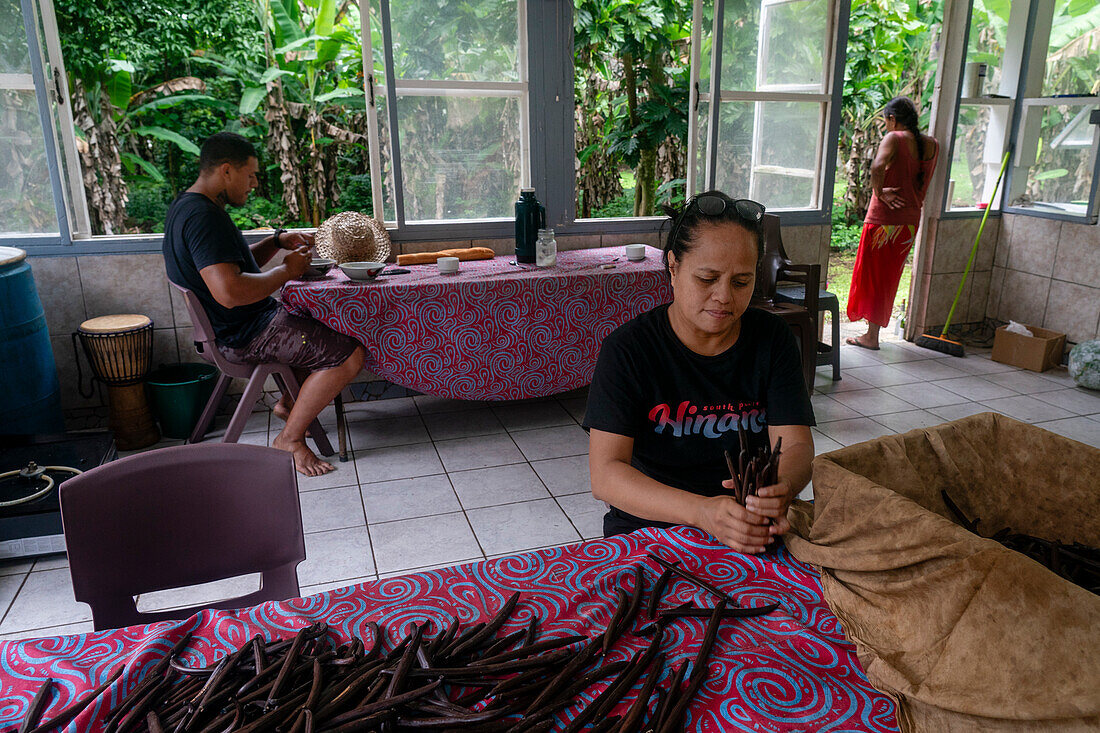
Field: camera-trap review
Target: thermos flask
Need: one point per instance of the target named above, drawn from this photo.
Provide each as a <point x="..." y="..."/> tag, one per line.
<point x="530" y="217"/>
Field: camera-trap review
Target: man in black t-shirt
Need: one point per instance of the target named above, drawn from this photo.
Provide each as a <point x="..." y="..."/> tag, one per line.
<point x="205" y="252"/>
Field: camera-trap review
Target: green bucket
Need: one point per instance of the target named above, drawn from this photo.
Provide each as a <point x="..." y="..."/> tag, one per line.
<point x="178" y="393"/>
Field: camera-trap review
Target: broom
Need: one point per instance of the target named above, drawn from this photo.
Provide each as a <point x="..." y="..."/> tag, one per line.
<point x="941" y="343"/>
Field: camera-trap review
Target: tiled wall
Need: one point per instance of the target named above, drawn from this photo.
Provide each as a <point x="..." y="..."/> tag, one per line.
<point x="1047" y="273"/>
<point x="951" y="241"/>
<point x="73" y="289"/>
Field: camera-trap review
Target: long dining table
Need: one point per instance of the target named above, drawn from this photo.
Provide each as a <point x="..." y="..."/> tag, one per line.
<point x="496" y="330"/>
<point x="791" y="669"/>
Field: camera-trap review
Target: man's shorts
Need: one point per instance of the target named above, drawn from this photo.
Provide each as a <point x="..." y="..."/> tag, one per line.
<point x="303" y="343"/>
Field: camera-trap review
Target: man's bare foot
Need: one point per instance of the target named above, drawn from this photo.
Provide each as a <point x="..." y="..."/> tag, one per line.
<point x="282" y="408"/>
<point x="305" y="461"/>
<point x="863" y="341"/>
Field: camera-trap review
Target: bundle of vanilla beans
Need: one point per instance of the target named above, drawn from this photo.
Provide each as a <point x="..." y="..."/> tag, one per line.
<point x="754" y="468"/>
<point x="1077" y="563"/>
<point x="450" y="678"/>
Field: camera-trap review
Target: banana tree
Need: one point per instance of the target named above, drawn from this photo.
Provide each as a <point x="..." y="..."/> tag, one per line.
<point x="642" y="44"/>
<point x="118" y="125"/>
<point x="312" y="80"/>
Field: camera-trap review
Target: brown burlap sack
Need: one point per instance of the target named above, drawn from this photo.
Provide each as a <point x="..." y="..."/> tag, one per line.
<point x="962" y="632"/>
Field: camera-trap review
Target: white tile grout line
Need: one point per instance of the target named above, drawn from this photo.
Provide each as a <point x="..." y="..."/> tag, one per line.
<point x="15" y="596"/>
<point x="465" y="516"/>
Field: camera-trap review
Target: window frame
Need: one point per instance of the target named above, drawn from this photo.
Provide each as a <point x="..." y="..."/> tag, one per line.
<point x="833" y="83"/>
<point x="37" y="78"/>
<point x="1019" y="102"/>
<point x="394" y="87"/>
<point x="548" y="53"/>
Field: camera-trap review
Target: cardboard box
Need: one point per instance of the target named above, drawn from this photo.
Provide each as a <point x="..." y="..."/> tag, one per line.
<point x="1037" y="353"/>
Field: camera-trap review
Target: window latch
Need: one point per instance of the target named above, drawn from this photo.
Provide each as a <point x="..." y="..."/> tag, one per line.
<point x="1094" y="117"/>
<point x="60" y="94"/>
<point x="695" y="107"/>
<point x="370" y="88"/>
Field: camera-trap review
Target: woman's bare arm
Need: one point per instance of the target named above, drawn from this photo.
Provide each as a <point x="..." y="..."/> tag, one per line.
<point x="887" y="149"/>
<point x="616" y="482"/>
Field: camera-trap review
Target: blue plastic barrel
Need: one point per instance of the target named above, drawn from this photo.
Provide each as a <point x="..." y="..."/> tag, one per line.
<point x="30" y="395"/>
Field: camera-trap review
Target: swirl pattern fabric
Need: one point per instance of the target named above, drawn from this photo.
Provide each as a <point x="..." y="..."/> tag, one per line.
<point x="791" y="670"/>
<point x="494" y="331"/>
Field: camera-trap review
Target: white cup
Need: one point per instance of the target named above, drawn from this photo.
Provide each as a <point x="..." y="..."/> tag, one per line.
<point x="635" y="252"/>
<point x="447" y="265"/>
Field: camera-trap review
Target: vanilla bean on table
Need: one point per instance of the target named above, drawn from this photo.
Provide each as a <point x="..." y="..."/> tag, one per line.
<point x="453" y="679"/>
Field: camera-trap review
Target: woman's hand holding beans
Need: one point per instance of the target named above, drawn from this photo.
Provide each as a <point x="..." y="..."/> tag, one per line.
<point x="733" y="525"/>
<point x="748" y="529"/>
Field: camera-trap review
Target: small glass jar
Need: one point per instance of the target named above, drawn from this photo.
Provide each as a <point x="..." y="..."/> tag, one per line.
<point x="546" y="249"/>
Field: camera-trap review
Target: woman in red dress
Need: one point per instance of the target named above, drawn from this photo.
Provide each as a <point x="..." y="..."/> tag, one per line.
<point x="899" y="178"/>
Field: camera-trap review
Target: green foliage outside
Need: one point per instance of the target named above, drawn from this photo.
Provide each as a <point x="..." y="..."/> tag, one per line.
<point x="150" y="79"/>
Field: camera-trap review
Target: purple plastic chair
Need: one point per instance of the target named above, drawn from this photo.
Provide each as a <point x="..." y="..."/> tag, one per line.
<point x="256" y="374"/>
<point x="181" y="516"/>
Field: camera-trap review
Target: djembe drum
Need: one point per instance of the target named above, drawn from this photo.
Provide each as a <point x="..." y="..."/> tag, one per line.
<point x="120" y="350"/>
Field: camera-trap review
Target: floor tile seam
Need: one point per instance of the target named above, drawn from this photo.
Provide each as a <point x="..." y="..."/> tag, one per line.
<point x="302" y="490"/>
<point x="392" y="574"/>
<point x="542" y="427"/>
<point x="482" y="468"/>
<point x="467" y="435"/>
<point x="335" y="580"/>
<point x="501" y="556"/>
<point x="580" y="536"/>
<point x="503" y="503"/>
<point x="42" y="628"/>
<point x="891" y="412"/>
<point x="14" y="596"/>
<point x="459" y="500"/>
<point x="397" y="572"/>
<point x="361" y="578"/>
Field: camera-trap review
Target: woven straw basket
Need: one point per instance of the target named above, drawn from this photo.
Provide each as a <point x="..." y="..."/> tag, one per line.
<point x="353" y="237"/>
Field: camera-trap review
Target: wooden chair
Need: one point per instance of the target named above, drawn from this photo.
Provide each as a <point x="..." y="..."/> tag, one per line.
<point x="256" y="374"/>
<point x="181" y="516"/>
<point x="775" y="266"/>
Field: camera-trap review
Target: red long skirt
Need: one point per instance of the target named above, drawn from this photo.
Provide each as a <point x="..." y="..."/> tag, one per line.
<point x="883" y="249"/>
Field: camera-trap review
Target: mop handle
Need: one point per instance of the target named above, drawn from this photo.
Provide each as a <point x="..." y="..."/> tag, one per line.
<point x="974" y="249"/>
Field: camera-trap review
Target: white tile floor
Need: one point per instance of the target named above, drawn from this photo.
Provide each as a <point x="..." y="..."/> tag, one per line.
<point x="435" y="482"/>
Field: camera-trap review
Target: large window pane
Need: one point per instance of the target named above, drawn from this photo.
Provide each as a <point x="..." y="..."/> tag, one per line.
<point x="13" y="42"/>
<point x="768" y="151"/>
<point x="770" y="44"/>
<point x="459" y="156"/>
<point x="1060" y="164"/>
<point x="26" y="192"/>
<point x="986" y="45"/>
<point x="631" y="100"/>
<point x="734" y="165"/>
<point x="1073" y="53"/>
<point x="474" y="40"/>
<point x="976" y="159"/>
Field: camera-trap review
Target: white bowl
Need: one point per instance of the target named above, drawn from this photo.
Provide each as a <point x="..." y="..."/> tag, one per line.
<point x="319" y="267"/>
<point x="635" y="252"/>
<point x="447" y="265"/>
<point x="362" y="270"/>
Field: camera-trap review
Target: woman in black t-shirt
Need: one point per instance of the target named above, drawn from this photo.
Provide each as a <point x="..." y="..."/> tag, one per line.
<point x="671" y="386"/>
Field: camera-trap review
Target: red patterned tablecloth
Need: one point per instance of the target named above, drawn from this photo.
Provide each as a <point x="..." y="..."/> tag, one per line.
<point x="494" y="331"/>
<point x="791" y="670"/>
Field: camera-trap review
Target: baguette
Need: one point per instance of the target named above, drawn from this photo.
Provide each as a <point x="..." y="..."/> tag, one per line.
<point x="429" y="258"/>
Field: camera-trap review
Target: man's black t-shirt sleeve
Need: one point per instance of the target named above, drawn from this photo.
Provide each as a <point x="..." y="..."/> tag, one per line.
<point x="787" y="397"/>
<point x="613" y="398"/>
<point x="210" y="241"/>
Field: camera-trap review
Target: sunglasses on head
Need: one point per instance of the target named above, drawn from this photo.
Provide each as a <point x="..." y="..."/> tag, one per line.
<point x="717" y="204"/>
